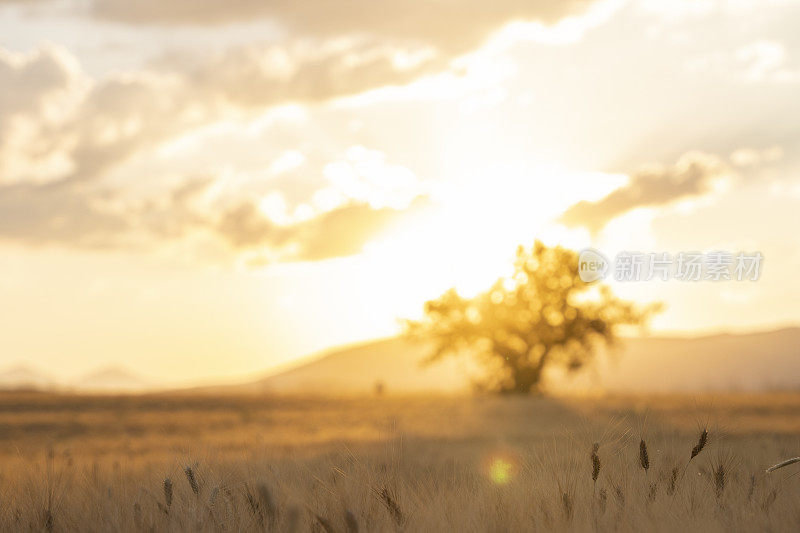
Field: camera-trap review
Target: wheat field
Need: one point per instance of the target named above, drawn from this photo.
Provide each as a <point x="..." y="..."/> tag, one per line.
<point x="477" y="463"/>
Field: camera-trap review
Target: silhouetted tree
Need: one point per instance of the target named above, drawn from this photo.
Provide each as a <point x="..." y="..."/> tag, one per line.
<point x="543" y="315"/>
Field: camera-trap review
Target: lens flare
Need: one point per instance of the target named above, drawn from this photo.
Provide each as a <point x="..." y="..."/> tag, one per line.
<point x="500" y="471"/>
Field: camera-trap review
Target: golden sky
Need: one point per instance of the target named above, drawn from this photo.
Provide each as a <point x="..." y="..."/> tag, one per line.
<point x="200" y="189"/>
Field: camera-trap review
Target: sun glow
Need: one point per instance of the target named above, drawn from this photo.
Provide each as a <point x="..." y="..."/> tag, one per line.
<point x="470" y="236"/>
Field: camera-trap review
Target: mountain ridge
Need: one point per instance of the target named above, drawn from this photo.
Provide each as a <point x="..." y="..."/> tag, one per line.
<point x="715" y="361"/>
<point x="752" y="361"/>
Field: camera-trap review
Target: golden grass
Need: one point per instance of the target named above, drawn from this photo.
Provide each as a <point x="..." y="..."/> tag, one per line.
<point x="255" y="463"/>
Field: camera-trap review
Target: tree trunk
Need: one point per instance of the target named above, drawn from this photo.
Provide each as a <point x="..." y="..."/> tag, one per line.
<point x="525" y="380"/>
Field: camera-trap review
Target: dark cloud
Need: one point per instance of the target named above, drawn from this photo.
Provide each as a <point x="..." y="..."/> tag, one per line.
<point x="692" y="175"/>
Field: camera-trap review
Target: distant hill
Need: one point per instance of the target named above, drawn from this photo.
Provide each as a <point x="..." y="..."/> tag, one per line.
<point x="756" y="361"/>
<point x="112" y="379"/>
<point x="393" y="363"/>
<point x="765" y="360"/>
<point x="25" y="377"/>
<point x="768" y="360"/>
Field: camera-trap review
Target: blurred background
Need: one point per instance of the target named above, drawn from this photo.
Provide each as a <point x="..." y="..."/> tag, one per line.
<point x="200" y="193"/>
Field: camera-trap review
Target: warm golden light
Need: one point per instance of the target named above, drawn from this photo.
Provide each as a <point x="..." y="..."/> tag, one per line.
<point x="500" y="471"/>
<point x="399" y="265"/>
<point x="255" y="185"/>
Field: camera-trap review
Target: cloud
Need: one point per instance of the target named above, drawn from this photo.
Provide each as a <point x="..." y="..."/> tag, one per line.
<point x="746" y="157"/>
<point x="340" y="232"/>
<point x="347" y="229"/>
<point x="58" y="124"/>
<point x="451" y="26"/>
<point x="107" y="221"/>
<point x="693" y="175"/>
<point x="766" y="61"/>
<point x="93" y="126"/>
<point x="257" y="76"/>
<point x="331" y="49"/>
<point x="45" y="214"/>
<point x="100" y="218"/>
<point x="761" y="61"/>
<point x="62" y="132"/>
<point x="358" y="198"/>
<point x="37" y="88"/>
<point x="365" y="197"/>
<point x="679" y="10"/>
<point x="34" y="82"/>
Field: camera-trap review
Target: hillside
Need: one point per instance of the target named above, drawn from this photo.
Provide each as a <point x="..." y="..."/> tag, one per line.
<point x="714" y="362"/>
<point x="755" y="361"/>
<point x="768" y="360"/>
<point x="396" y="363"/>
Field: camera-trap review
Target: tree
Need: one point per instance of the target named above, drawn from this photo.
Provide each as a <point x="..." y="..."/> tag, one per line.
<point x="544" y="315"/>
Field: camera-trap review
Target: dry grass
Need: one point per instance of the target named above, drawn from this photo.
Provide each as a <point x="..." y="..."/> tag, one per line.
<point x="255" y="463"/>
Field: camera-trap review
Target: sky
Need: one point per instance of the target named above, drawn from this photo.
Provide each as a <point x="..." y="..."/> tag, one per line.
<point x="201" y="190"/>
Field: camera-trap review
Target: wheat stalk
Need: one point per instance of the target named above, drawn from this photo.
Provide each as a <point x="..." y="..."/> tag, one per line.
<point x="391" y="506"/>
<point x="137" y="516"/>
<point x="48" y="521"/>
<point x="787" y="462"/>
<point x="268" y="503"/>
<point x="566" y="504"/>
<point x="673" y="480"/>
<point x="701" y="443"/>
<point x="652" y="492"/>
<point x="644" y="457"/>
<point x="752" y="488"/>
<point x="719" y="479"/>
<point x="595" y="462"/>
<point x="327" y="527"/>
<point x="192" y="479"/>
<point x="603" y="499"/>
<point x="350" y="522"/>
<point x="167" y="493"/>
<point x="619" y="494"/>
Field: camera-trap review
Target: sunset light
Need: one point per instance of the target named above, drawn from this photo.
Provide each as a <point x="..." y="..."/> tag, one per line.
<point x="399" y="265"/>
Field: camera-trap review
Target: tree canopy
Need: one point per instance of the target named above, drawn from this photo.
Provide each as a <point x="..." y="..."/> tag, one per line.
<point x="543" y="315"/>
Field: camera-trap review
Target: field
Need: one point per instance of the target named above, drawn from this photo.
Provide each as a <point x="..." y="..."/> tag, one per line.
<point x="478" y="463"/>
